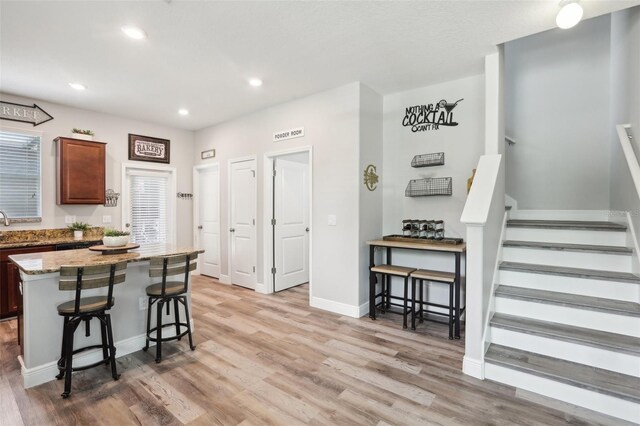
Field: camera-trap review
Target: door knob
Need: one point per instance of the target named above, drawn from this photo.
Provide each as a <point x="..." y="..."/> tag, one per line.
<point x="127" y="225"/>
<point x="307" y="229"/>
<point x="200" y="227"/>
<point x="232" y="230"/>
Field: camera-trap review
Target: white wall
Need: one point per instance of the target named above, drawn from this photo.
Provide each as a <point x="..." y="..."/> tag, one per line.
<point x="462" y="145"/>
<point x="331" y="121"/>
<point x="557" y="109"/>
<point x="370" y="151"/>
<point x="114" y="131"/>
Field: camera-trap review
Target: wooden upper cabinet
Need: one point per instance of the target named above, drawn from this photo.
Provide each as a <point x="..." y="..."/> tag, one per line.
<point x="81" y="171"/>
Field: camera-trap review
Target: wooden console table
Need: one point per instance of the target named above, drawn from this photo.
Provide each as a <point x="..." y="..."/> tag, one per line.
<point x="455" y="249"/>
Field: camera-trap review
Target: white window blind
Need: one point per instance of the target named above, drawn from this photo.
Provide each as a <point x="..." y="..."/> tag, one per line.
<point x="149" y="207"/>
<point x="20" y="175"/>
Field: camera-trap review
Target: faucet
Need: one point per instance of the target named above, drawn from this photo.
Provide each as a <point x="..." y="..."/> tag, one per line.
<point x="6" y="218"/>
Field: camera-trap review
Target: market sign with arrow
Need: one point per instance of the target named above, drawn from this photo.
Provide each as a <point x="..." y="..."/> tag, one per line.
<point x="23" y="113"/>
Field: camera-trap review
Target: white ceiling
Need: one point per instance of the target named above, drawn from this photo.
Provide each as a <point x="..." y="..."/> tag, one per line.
<point x="200" y="54"/>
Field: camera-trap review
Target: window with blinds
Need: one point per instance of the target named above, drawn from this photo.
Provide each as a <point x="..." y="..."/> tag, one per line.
<point x="20" y="175"/>
<point x="149" y="207"/>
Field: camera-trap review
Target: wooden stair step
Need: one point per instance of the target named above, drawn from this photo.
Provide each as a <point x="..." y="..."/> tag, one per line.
<point x="617" y="307"/>
<point x="567" y="224"/>
<point x="569" y="247"/>
<point x="570" y="272"/>
<point x="568" y="333"/>
<point x="594" y="379"/>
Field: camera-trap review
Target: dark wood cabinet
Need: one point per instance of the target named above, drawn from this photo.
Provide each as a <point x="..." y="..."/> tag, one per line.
<point x="81" y="171"/>
<point x="10" y="294"/>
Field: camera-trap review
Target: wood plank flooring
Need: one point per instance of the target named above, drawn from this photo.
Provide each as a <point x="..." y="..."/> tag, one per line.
<point x="273" y="360"/>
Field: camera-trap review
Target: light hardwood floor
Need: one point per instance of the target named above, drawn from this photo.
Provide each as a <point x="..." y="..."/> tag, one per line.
<point x="273" y="360"/>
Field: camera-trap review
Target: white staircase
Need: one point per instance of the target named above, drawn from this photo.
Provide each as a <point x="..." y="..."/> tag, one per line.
<point x="567" y="314"/>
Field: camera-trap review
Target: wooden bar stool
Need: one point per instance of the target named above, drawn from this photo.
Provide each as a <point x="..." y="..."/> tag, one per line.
<point x="78" y="279"/>
<point x="164" y="293"/>
<point x="422" y="275"/>
<point x="386" y="272"/>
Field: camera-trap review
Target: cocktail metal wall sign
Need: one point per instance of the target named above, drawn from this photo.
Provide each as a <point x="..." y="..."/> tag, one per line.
<point x="430" y="117"/>
<point x="32" y="114"/>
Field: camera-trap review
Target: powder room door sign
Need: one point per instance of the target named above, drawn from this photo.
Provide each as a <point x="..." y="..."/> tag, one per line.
<point x="23" y="113"/>
<point x="430" y="117"/>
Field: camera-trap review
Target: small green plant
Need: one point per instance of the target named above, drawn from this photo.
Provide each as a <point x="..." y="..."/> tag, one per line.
<point x="79" y="226"/>
<point x="82" y="132"/>
<point x="114" y="233"/>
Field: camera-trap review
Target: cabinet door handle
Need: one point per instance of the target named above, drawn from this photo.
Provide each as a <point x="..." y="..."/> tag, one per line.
<point x="20" y="287"/>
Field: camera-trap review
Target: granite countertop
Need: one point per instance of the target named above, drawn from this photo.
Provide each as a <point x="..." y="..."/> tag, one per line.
<point x="49" y="242"/>
<point x="45" y="237"/>
<point x="49" y="262"/>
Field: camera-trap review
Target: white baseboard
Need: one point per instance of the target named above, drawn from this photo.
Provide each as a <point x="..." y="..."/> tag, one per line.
<point x="473" y="367"/>
<point x="261" y="288"/>
<point x="225" y="279"/>
<point x="46" y="372"/>
<point x="336" y="307"/>
<point x="364" y="309"/>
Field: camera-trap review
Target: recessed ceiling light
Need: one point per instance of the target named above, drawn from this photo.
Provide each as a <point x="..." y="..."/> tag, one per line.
<point x="255" y="82"/>
<point x="78" y="86"/>
<point x="134" y="32"/>
<point x="183" y="111"/>
<point x="569" y="15"/>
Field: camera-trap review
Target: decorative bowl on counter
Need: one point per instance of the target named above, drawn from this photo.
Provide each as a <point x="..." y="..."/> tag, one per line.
<point x="122" y="240"/>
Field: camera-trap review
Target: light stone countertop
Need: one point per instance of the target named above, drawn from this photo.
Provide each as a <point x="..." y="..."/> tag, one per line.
<point x="49" y="262"/>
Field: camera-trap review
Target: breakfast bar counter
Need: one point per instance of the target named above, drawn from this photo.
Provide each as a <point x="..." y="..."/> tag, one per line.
<point x="42" y="326"/>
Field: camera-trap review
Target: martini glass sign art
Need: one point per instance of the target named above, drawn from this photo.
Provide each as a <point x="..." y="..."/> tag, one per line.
<point x="430" y="117"/>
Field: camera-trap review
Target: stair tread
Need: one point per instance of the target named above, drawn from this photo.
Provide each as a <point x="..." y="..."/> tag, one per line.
<point x="567" y="224"/>
<point x="595" y="379"/>
<point x="570" y="272"/>
<point x="586" y="336"/>
<point x="618" y="307"/>
<point x="569" y="247"/>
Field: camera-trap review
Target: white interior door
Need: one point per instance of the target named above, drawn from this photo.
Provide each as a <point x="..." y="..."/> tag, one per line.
<point x="209" y="220"/>
<point x="291" y="230"/>
<point x="243" y="255"/>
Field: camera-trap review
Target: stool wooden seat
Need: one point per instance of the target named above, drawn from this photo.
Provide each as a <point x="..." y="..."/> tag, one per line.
<point x="386" y="272"/>
<point x="79" y="279"/>
<point x="422" y="275"/>
<point x="164" y="293"/>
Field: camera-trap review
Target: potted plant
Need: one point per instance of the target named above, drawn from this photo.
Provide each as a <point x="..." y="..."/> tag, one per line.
<point x="115" y="238"/>
<point x="86" y="135"/>
<point x="78" y="229"/>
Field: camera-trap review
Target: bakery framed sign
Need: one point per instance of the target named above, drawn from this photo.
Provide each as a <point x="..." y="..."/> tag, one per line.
<point x="147" y="148"/>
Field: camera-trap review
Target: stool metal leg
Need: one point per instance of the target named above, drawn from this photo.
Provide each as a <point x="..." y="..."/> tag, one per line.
<point x="159" y="306"/>
<point x="188" y="321"/>
<point x="146" y="346"/>
<point x="387" y="286"/>
<point x="421" y="301"/>
<point x="451" y="320"/>
<point x="62" y="360"/>
<point x="372" y="295"/>
<point x="177" y="313"/>
<point x="112" y="348"/>
<point x="413" y="303"/>
<point x="105" y="343"/>
<point x="404" y="312"/>
<point x="69" y="331"/>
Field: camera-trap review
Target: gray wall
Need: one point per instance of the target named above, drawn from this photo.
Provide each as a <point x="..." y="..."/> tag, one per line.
<point x="114" y="131"/>
<point x="557" y="109"/>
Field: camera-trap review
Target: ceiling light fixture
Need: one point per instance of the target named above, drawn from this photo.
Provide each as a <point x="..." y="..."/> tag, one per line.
<point x="78" y="86"/>
<point x="569" y="15"/>
<point x="134" y="32"/>
<point x="255" y="82"/>
<point x="183" y="111"/>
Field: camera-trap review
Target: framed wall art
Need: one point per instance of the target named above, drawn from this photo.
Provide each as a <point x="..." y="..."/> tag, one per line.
<point x="147" y="148"/>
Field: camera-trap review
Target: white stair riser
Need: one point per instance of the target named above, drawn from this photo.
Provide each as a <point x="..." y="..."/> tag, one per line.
<point x="569" y="259"/>
<point x="596" y="320"/>
<point x="569" y="351"/>
<point x="606" y="404"/>
<point x="588" y="215"/>
<point x="570" y="236"/>
<point x="617" y="290"/>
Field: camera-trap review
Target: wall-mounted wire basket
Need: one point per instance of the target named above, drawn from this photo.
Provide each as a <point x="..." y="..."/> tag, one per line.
<point x="428" y="160"/>
<point x="428" y="187"/>
<point x="111" y="198"/>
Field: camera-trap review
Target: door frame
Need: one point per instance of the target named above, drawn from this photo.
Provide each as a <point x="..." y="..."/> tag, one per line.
<point x="255" y="214"/>
<point x="267" y="237"/>
<point x="196" y="204"/>
<point x="173" y="216"/>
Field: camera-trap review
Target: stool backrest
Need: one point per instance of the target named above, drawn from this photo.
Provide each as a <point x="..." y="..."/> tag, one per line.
<point x="164" y="266"/>
<point x="78" y="278"/>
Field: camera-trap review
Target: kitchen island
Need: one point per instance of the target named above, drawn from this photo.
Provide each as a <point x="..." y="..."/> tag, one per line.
<point x="42" y="336"/>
